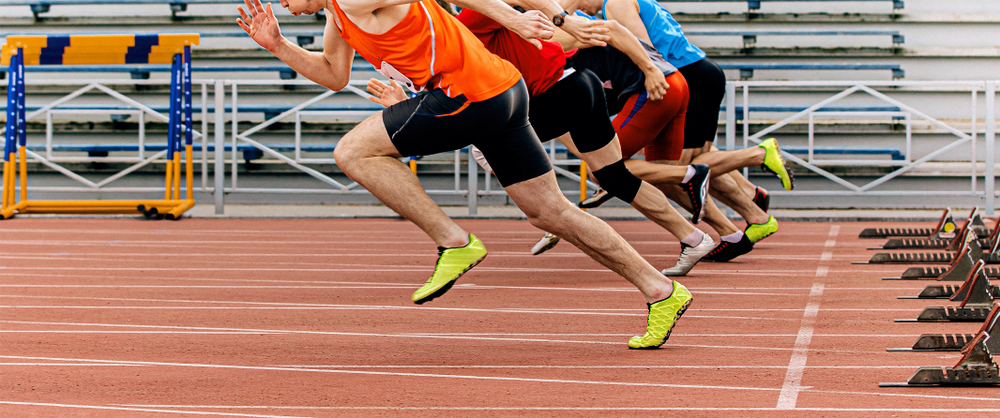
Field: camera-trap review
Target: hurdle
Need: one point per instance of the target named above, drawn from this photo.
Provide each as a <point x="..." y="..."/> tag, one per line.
<point x="174" y="49"/>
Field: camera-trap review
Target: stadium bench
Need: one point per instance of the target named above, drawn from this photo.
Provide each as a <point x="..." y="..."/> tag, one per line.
<point x="750" y="36"/>
<point x="43" y="6"/>
<point x="747" y="68"/>
<point x="755" y="4"/>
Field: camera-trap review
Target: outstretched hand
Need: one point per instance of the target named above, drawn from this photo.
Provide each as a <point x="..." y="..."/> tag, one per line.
<point x="385" y="95"/>
<point x="260" y="24"/>
<point x="590" y="32"/>
<point x="532" y="25"/>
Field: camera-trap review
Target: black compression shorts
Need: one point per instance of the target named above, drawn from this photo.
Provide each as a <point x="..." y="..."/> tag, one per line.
<point x="576" y="105"/>
<point x="707" y="87"/>
<point x="434" y="123"/>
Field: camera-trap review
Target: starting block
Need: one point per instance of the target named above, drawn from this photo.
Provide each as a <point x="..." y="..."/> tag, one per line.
<point x="976" y="297"/>
<point x="975" y="250"/>
<point x="946" y="225"/>
<point x="975" y="368"/>
<point x="953" y="292"/>
<point x="945" y="229"/>
<point x="950" y="245"/>
<point x="956" y="342"/>
<point x="958" y="270"/>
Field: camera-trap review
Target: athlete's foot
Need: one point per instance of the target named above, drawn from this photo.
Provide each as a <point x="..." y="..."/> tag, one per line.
<point x="775" y="164"/>
<point x="697" y="191"/>
<point x="761" y="199"/>
<point x="757" y="232"/>
<point x="690" y="256"/>
<point x="546" y="243"/>
<point x="451" y="264"/>
<point x="597" y="199"/>
<point x="662" y="317"/>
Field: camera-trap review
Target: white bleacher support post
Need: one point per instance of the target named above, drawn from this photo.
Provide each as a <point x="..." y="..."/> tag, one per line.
<point x="220" y="147"/>
<point x="989" y="184"/>
<point x="473" y="185"/>
<point x="730" y="116"/>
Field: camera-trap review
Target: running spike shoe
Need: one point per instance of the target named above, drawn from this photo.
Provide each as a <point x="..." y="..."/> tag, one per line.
<point x="775" y="164"/>
<point x="451" y="264"/>
<point x="697" y="191"/>
<point x="546" y="243"/>
<point x="597" y="199"/>
<point x="757" y="232"/>
<point x="726" y="251"/>
<point x="761" y="199"/>
<point x="690" y="256"/>
<point x="662" y="317"/>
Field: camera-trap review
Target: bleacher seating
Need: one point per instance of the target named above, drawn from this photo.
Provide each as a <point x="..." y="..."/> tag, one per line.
<point x="755" y="4"/>
<point x="44" y="6"/>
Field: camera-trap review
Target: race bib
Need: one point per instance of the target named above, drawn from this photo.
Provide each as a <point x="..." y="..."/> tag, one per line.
<point x="391" y="73"/>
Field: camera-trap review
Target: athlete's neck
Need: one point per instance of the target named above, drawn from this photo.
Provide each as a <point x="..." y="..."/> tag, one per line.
<point x="377" y="21"/>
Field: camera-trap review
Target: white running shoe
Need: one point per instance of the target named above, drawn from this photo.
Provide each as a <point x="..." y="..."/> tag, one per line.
<point x="544" y="244"/>
<point x="690" y="256"/>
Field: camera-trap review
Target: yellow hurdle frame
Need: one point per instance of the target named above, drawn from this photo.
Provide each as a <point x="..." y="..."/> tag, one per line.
<point x="24" y="50"/>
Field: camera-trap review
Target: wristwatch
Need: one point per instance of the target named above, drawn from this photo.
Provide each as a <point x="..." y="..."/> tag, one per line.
<point x="558" y="19"/>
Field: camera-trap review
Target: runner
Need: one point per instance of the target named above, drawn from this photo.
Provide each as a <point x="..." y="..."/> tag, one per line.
<point x="565" y="101"/>
<point x="657" y="127"/>
<point x="471" y="96"/>
<point x="706" y="81"/>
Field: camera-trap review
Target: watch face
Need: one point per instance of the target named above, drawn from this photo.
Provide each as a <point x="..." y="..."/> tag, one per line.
<point x="557" y="20"/>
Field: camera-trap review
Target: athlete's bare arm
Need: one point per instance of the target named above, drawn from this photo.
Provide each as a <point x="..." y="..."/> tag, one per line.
<point x="585" y="31"/>
<point x="626" y="12"/>
<point x="623" y="40"/>
<point x="330" y="69"/>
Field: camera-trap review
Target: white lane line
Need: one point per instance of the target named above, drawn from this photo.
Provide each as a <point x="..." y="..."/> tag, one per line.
<point x="826" y="256"/>
<point x="398" y="374"/>
<point x="821" y="271"/>
<point x="142" y="409"/>
<point x="561" y="408"/>
<point x="793" y="377"/>
<point x="510" y="334"/>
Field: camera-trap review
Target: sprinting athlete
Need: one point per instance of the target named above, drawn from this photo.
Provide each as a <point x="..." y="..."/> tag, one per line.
<point x="566" y="101"/>
<point x="706" y="81"/>
<point x="472" y="96"/>
<point x="658" y="128"/>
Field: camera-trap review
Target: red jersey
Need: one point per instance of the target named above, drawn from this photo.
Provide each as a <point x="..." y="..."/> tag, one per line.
<point x="541" y="68"/>
<point x="429" y="49"/>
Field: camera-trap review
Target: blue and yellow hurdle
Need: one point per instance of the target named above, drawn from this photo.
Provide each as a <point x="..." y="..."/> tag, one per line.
<point x="174" y="49"/>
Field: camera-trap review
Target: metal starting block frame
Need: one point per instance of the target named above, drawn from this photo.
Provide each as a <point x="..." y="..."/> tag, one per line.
<point x="976" y="297"/>
<point x="950" y="245"/>
<point x="953" y="292"/>
<point x="956" y="342"/>
<point x="990" y="256"/>
<point x="946" y="225"/>
<point x="945" y="228"/>
<point x="959" y="270"/>
<point x="975" y="368"/>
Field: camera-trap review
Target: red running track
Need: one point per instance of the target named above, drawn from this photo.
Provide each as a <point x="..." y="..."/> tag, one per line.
<point x="312" y="318"/>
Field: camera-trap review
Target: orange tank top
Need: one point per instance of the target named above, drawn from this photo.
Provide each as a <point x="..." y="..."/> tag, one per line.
<point x="429" y="49"/>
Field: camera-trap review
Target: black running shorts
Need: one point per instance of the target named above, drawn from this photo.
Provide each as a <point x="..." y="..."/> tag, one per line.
<point x="434" y="123"/>
<point x="576" y="105"/>
<point x="707" y="87"/>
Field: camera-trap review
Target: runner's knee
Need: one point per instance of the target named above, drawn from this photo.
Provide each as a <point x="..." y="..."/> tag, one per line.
<point x="618" y="181"/>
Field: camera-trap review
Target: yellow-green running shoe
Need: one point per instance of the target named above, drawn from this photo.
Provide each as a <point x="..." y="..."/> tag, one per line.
<point x="663" y="315"/>
<point x="451" y="264"/>
<point x="757" y="232"/>
<point x="775" y="164"/>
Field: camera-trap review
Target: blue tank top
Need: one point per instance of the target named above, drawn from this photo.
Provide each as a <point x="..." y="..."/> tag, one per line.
<point x="666" y="34"/>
